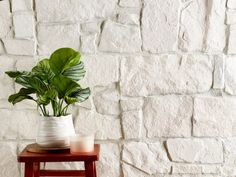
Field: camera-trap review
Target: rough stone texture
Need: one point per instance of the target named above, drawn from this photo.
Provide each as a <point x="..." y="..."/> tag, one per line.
<point x="159" y="17"/>
<point x="230" y="75"/>
<point x="130" y="3"/>
<point x="60" y="10"/>
<point x="142" y="76"/>
<point x="5" y="18"/>
<point x="6" y="84"/>
<point x="91" y="27"/>
<point x="101" y="70"/>
<point x="88" y="43"/>
<point x="22" y="5"/>
<point x="202" y="26"/>
<point x="231" y="17"/>
<point x="131" y="19"/>
<point x="157" y="70"/>
<point x="131" y="104"/>
<point x="108" y="164"/>
<point x="8" y="163"/>
<point x="104" y="127"/>
<point x="214" y="116"/>
<point x="130" y="171"/>
<point x="195" y="169"/>
<point x="168" y="116"/>
<point x="148" y="157"/>
<point x="107" y="102"/>
<point x="132" y="124"/>
<point x="231" y="4"/>
<point x="120" y="38"/>
<point x="232" y="41"/>
<point x="20" y="47"/>
<point x="219" y="72"/>
<point x="208" y="151"/>
<point x="51" y="37"/>
<point x="24" y="25"/>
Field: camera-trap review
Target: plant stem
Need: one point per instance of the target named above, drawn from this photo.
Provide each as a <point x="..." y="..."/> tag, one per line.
<point x="64" y="110"/>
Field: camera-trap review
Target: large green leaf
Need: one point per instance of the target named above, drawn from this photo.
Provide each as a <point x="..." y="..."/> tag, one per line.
<point x="47" y="97"/>
<point x="21" y="95"/>
<point x="76" y="72"/>
<point x="43" y="70"/>
<point x="63" y="59"/>
<point x="79" y="95"/>
<point x="15" y="74"/>
<point x="63" y="85"/>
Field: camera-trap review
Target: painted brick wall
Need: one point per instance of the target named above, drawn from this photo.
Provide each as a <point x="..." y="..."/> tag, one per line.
<point x="162" y="74"/>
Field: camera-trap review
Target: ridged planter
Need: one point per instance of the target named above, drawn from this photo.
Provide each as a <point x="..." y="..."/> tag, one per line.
<point x="55" y="132"/>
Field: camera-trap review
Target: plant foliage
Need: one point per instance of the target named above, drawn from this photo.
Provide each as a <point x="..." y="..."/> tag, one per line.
<point x="52" y="82"/>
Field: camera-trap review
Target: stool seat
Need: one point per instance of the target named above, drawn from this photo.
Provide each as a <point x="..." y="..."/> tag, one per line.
<point x="32" y="162"/>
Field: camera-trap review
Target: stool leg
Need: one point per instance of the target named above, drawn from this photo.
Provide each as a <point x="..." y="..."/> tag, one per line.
<point x="94" y="169"/>
<point x="28" y="169"/>
<point x="90" y="170"/>
<point x="36" y="169"/>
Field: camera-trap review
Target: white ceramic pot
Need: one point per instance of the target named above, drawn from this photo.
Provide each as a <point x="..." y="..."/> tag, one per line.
<point x="55" y="132"/>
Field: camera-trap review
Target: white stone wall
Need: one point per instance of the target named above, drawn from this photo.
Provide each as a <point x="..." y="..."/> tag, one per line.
<point x="162" y="74"/>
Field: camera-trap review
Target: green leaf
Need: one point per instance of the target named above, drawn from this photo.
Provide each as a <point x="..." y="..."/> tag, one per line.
<point x="43" y="70"/>
<point x="21" y="95"/>
<point x="78" y="95"/>
<point x="47" y="97"/>
<point x="63" y="59"/>
<point x="15" y="74"/>
<point x="63" y="85"/>
<point x="76" y="72"/>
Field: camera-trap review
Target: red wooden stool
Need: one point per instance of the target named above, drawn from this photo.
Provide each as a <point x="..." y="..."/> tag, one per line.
<point x="32" y="162"/>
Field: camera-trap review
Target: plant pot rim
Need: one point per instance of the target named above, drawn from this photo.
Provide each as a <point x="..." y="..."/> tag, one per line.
<point x="55" y="117"/>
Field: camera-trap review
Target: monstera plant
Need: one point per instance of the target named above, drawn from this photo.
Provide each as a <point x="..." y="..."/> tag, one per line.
<point x="53" y="82"/>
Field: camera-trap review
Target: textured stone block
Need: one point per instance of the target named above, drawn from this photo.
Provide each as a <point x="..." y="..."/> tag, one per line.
<point x="129" y="19"/>
<point x="168" y="116"/>
<point x="159" y="25"/>
<point x="142" y="76"/>
<point x="104" y="127"/>
<point x="107" y="102"/>
<point x="93" y="27"/>
<point x="8" y="163"/>
<point x="195" y="150"/>
<point x="195" y="169"/>
<point x="24" y="25"/>
<point x="131" y="104"/>
<point x="88" y="43"/>
<point x="5" y="18"/>
<point x="148" y="157"/>
<point x="109" y="162"/>
<point x="202" y="26"/>
<point x="101" y="70"/>
<point x="219" y="72"/>
<point x="22" y="5"/>
<point x="54" y="36"/>
<point x="20" y="47"/>
<point x="130" y="3"/>
<point x="231" y="4"/>
<point x="120" y="38"/>
<point x="231" y="17"/>
<point x="84" y="10"/>
<point x="6" y="83"/>
<point x="130" y="171"/>
<point x="132" y="124"/>
<point x="214" y="116"/>
<point x="230" y="151"/>
<point x="232" y="40"/>
<point x="230" y="75"/>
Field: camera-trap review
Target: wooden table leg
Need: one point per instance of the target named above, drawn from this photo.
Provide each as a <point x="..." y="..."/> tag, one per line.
<point x="90" y="169"/>
<point x="28" y="169"/>
<point x="36" y="169"/>
<point x="94" y="169"/>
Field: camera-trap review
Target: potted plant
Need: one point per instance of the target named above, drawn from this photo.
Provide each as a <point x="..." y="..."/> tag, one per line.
<point x="53" y="85"/>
